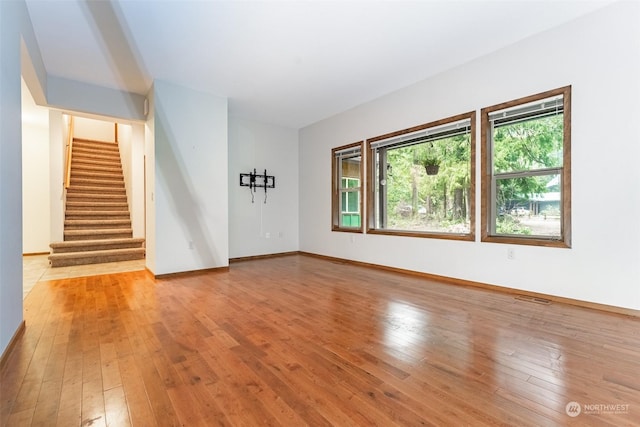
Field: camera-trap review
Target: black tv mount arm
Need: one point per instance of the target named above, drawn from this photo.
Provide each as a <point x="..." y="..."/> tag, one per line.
<point x="253" y="180"/>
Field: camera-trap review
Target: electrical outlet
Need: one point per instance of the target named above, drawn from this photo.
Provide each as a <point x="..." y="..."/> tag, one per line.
<point x="267" y="235"/>
<point x="511" y="253"/>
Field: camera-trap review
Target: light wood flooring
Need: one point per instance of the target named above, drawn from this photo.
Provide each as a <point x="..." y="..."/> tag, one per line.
<point x="36" y="268"/>
<point x="299" y="340"/>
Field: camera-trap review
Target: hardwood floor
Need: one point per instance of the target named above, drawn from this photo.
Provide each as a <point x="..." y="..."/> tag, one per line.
<point x="299" y="340"/>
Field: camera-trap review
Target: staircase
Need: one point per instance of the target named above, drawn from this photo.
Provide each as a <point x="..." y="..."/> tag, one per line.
<point x="97" y="226"/>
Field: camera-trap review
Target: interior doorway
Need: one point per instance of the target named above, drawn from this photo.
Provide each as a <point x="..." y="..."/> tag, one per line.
<point x="40" y="194"/>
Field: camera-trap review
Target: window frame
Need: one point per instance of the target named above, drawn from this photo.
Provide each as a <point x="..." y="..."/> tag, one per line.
<point x="487" y="182"/>
<point x="371" y="184"/>
<point x="337" y="190"/>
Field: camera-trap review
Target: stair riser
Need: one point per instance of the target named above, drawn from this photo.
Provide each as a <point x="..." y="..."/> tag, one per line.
<point x="92" y="175"/>
<point x="97" y="183"/>
<point x="96" y="198"/>
<point x="96" y="260"/>
<point x="115" y="156"/>
<point x="95" y="151"/>
<point x="93" y="247"/>
<point x="95" y="156"/>
<point x="93" y="214"/>
<point x="69" y="246"/>
<point x="101" y="169"/>
<point x="98" y="223"/>
<point x="90" y="153"/>
<point x="86" y="181"/>
<point x="96" y="204"/>
<point x="78" y="227"/>
<point x="93" y="143"/>
<point x="91" y="209"/>
<point x="73" y="207"/>
<point x="85" y="204"/>
<point x="111" y="148"/>
<point x="111" y="175"/>
<point x="85" y="161"/>
<point x="75" y="237"/>
<point x="91" y="190"/>
<point x="95" y="218"/>
<point x="81" y="161"/>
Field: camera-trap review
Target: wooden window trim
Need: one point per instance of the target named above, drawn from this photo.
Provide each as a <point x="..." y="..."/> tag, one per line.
<point x="485" y="179"/>
<point x="370" y="183"/>
<point x="335" y="190"/>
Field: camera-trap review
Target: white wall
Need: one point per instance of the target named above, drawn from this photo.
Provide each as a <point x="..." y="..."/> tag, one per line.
<point x="35" y="185"/>
<point x="125" y="144"/>
<point x="58" y="137"/>
<point x="93" y="129"/>
<point x="137" y="202"/>
<point x="599" y="55"/>
<point x="90" y="99"/>
<point x="13" y="21"/>
<point x="191" y="180"/>
<point x="35" y="189"/>
<point x="150" y="183"/>
<point x="260" y="228"/>
<point x="131" y="145"/>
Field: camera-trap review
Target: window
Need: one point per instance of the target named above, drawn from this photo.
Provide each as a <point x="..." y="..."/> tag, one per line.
<point x="526" y="184"/>
<point x="421" y="180"/>
<point x="347" y="188"/>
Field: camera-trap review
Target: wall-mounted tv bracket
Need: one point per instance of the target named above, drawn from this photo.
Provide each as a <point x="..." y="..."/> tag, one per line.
<point x="254" y="180"/>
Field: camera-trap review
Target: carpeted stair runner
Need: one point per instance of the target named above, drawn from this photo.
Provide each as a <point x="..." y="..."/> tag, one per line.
<point x="97" y="226"/>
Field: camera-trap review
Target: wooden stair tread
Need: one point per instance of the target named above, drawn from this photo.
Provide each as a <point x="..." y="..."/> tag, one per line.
<point x="101" y="168"/>
<point x="109" y="204"/>
<point x="97" y="157"/>
<point x="104" y="163"/>
<point x="95" y="253"/>
<point x="96" y="257"/>
<point x="93" y="182"/>
<point x="98" y="231"/>
<point x="91" y="151"/>
<point x="81" y="188"/>
<point x="90" y="212"/>
<point x="105" y="222"/>
<point x="75" y="243"/>
<point x="91" y="196"/>
<point x="90" y="173"/>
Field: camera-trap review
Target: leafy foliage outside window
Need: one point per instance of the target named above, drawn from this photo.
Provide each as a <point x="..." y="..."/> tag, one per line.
<point x="423" y="181"/>
<point x="421" y="202"/>
<point x="528" y="194"/>
<point x="531" y="145"/>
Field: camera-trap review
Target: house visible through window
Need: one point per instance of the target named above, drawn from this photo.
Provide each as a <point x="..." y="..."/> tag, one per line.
<point x="421" y="180"/>
<point x="350" y="203"/>
<point x="347" y="188"/>
<point x="526" y="184"/>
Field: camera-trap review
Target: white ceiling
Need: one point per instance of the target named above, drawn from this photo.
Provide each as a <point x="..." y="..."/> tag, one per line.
<point x="289" y="63"/>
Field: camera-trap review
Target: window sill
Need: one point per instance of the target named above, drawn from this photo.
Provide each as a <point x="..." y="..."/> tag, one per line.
<point x="530" y="241"/>
<point x="423" y="234"/>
